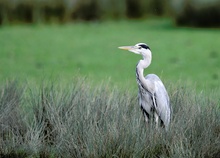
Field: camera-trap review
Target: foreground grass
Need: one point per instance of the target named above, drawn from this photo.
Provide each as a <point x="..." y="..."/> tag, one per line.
<point x="78" y="121"/>
<point x="90" y="49"/>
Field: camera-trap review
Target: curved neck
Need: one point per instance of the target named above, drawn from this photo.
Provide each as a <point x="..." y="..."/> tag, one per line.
<point x="142" y="64"/>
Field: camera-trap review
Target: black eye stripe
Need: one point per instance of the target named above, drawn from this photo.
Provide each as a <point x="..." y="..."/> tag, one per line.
<point x="144" y="46"/>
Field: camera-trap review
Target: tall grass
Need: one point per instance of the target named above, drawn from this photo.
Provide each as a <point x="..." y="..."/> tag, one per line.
<point x="79" y="121"/>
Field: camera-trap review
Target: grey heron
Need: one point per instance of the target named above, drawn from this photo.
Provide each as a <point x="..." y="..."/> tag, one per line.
<point x="153" y="97"/>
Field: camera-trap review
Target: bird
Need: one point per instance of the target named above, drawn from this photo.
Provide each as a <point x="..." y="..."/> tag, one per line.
<point x="152" y="94"/>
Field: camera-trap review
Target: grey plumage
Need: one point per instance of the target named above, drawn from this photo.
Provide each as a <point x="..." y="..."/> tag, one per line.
<point x="153" y="98"/>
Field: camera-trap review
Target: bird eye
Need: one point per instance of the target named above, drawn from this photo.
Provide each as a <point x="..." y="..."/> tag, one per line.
<point x="144" y="46"/>
<point x="139" y="47"/>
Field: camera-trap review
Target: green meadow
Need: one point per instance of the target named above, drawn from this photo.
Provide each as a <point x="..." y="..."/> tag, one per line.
<point x="43" y="52"/>
<point x="68" y="91"/>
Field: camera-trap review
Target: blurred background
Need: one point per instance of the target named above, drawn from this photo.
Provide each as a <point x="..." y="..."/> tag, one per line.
<point x="201" y="13"/>
<point x="67" y="38"/>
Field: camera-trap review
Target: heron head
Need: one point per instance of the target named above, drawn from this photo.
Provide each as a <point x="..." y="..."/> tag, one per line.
<point x="140" y="48"/>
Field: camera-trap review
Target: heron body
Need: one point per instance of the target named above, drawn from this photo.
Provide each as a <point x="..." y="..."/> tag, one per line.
<point x="153" y="97"/>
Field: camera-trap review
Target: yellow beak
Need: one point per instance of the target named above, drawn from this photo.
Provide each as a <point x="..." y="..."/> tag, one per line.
<point x="126" y="47"/>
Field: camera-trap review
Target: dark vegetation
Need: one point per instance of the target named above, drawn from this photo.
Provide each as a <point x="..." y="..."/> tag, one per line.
<point x="36" y="11"/>
<point x="79" y="121"/>
<point x="190" y="13"/>
<point x="202" y="13"/>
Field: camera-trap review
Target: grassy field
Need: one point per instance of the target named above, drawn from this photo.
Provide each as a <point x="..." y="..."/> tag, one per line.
<point x="55" y="112"/>
<point x="77" y="121"/>
<point x="40" y="52"/>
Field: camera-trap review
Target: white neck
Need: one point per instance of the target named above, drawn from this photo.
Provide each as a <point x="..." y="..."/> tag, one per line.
<point x="143" y="64"/>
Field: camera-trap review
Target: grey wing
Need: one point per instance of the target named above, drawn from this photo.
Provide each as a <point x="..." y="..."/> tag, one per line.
<point x="145" y="101"/>
<point x="162" y="100"/>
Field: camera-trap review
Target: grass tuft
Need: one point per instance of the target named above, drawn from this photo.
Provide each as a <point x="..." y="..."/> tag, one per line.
<point x="79" y="121"/>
